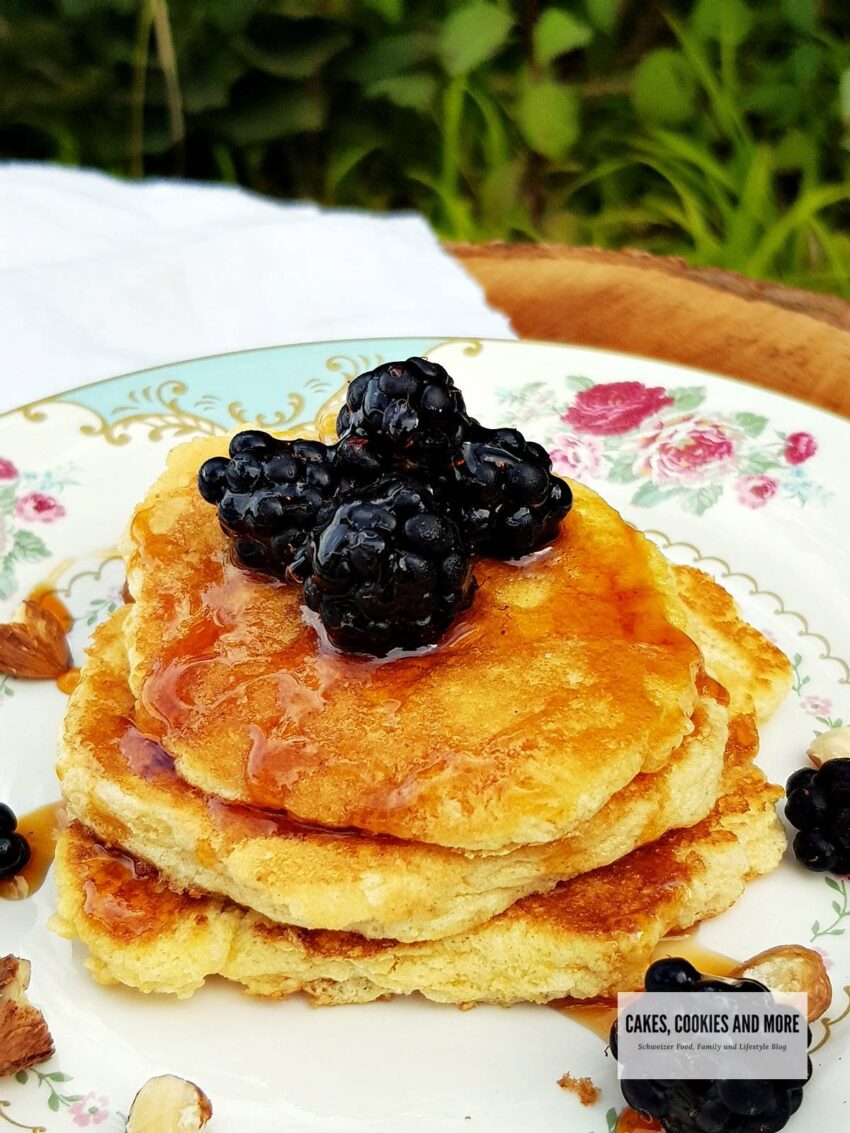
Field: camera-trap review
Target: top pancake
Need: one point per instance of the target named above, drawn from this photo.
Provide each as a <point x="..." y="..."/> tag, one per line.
<point x="567" y="677"/>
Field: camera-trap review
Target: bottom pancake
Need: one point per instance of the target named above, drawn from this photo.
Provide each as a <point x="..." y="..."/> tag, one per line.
<point x="591" y="936"/>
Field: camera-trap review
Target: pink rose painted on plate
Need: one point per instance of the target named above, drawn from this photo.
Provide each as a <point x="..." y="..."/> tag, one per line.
<point x="755" y="491"/>
<point x="615" y="407"/>
<point x="8" y="471"/>
<point x="800" y="447"/>
<point x="816" y="705"/>
<point x="690" y="452"/>
<point x="577" y="456"/>
<point x="89" y="1110"/>
<point x="36" y="507"/>
<point x="659" y="445"/>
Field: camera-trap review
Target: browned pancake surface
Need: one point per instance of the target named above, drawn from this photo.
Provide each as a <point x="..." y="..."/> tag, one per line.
<point x="568" y="677"/>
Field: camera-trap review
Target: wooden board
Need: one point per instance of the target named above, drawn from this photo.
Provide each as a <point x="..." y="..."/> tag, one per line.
<point x="795" y="342"/>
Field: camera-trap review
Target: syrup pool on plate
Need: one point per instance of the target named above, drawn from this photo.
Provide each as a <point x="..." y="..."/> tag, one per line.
<point x="41" y="829"/>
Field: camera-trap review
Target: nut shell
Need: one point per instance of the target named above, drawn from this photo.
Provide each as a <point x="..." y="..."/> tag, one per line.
<point x="791" y="968"/>
<point x="24" y="1036"/>
<point x="834" y="744"/>
<point x="168" y="1104"/>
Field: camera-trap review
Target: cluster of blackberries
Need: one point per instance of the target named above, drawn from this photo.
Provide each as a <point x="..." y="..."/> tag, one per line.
<point x="270" y="494"/>
<point x="818" y="805"/>
<point x="693" y="1105"/>
<point x="382" y="526"/>
<point x="14" y="848"/>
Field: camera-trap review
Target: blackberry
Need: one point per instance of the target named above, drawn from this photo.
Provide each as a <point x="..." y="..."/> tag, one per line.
<point x="270" y="493"/>
<point x="14" y="848"/>
<point x="694" y="1105"/>
<point x="389" y="570"/>
<point x="8" y="821"/>
<point x="818" y="805"/>
<point x="405" y="417"/>
<point x="508" y="501"/>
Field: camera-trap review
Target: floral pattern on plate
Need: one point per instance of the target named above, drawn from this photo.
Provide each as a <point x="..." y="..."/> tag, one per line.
<point x="665" y="442"/>
<point x="28" y="501"/>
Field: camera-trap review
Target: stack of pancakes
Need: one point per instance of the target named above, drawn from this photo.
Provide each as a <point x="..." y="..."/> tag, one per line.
<point x="520" y="813"/>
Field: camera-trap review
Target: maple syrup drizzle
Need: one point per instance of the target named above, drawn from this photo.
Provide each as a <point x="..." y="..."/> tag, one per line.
<point x="46" y="597"/>
<point x="598" y="1015"/>
<point x="630" y="1121"/>
<point x="67" y="682"/>
<point x="208" y="666"/>
<point x="40" y="828"/>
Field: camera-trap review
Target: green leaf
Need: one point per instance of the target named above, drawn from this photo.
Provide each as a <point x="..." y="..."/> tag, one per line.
<point x="299" y="61"/>
<point x="471" y="35"/>
<point x="22" y="1077"/>
<point x="603" y="14"/>
<point x="83" y="9"/>
<point x="687" y="397"/>
<point x="833" y="884"/>
<point x="28" y="547"/>
<point x="391" y="10"/>
<point x="53" y="1103"/>
<point x="844" y="96"/>
<point x="342" y="161"/>
<point x="648" y="495"/>
<point x="622" y="471"/>
<point x="228" y="15"/>
<point x="389" y="56"/>
<point x="7" y="576"/>
<point x="836" y="908"/>
<point x="729" y="21"/>
<point x="295" y="110"/>
<point x="548" y="116"/>
<point x="557" y="32"/>
<point x="663" y="88"/>
<point x="752" y="424"/>
<point x="758" y="462"/>
<point x="577" y="382"/>
<point x="8" y="499"/>
<point x="805" y="62"/>
<point x="699" y="502"/>
<point x="803" y="14"/>
<point x="57" y="1076"/>
<point x="816" y="928"/>
<point x="414" y="92"/>
<point x="207" y="76"/>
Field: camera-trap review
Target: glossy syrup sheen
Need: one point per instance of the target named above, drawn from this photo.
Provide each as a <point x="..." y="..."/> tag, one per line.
<point x="46" y="597"/>
<point x="630" y="1121"/>
<point x="598" y="1015"/>
<point x="147" y="758"/>
<point x="236" y="681"/>
<point x="40" y="828"/>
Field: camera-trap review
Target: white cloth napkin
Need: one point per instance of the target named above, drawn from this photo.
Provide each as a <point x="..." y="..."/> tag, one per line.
<point x="99" y="277"/>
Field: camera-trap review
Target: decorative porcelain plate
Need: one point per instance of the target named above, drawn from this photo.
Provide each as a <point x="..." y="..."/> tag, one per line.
<point x="750" y="486"/>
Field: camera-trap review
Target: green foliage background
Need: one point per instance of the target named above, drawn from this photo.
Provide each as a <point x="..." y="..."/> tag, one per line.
<point x="716" y="129"/>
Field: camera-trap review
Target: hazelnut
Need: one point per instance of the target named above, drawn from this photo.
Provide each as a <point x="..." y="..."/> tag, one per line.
<point x="24" y="1037"/>
<point x="791" y="968"/>
<point x="168" y="1104"/>
<point x="834" y="744"/>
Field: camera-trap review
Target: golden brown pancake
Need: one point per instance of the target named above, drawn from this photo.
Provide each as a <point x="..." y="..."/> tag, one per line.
<point x="569" y="676"/>
<point x="590" y="936"/>
<point x="756" y="672"/>
<point x="124" y="787"/>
